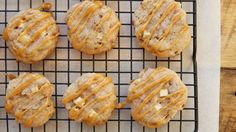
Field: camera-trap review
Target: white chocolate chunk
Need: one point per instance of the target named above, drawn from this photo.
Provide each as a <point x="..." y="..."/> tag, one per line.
<point x="164" y="46"/>
<point x="138" y="80"/>
<point x="94" y="85"/>
<point x="17" y="44"/>
<point x="30" y="90"/>
<point x="34" y="89"/>
<point x="158" y="106"/>
<point x="25" y="91"/>
<point x="21" y="25"/>
<point x="146" y="34"/>
<point x="43" y="33"/>
<point x="92" y="113"/>
<point x="99" y="36"/>
<point x="163" y="92"/>
<point x="25" y="39"/>
<point x="79" y="101"/>
<point x="153" y="41"/>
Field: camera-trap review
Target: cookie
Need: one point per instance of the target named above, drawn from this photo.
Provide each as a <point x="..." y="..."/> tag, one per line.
<point x="161" y="27"/>
<point x="28" y="99"/>
<point x="92" y="27"/>
<point x="32" y="34"/>
<point x="156" y="96"/>
<point x="90" y="99"/>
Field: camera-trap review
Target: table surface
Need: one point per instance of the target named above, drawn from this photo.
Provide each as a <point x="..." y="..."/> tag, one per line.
<point x="228" y="77"/>
<point x="228" y="33"/>
<point x="228" y="101"/>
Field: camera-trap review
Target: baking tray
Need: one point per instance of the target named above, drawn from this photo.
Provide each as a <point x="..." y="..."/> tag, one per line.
<point x="122" y="63"/>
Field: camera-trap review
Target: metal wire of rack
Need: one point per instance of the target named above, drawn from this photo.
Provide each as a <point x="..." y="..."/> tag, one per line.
<point x="122" y="63"/>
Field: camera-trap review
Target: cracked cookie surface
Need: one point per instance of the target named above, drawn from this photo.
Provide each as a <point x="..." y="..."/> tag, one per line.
<point x="156" y="96"/>
<point x="92" y="27"/>
<point x="28" y="98"/>
<point x="32" y="34"/>
<point x="90" y="99"/>
<point x="161" y="27"/>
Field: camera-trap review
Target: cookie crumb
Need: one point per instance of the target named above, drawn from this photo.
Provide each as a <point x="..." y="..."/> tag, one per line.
<point x="45" y="6"/>
<point x="11" y="76"/>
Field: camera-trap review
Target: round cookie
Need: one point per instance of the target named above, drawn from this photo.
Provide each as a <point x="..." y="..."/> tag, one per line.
<point x="90" y="99"/>
<point x="32" y="34"/>
<point x="28" y="99"/>
<point x="161" y="27"/>
<point x="156" y="96"/>
<point x="92" y="27"/>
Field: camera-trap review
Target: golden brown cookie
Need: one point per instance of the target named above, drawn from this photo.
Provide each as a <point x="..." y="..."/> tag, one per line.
<point x="28" y="99"/>
<point x="161" y="27"/>
<point x="90" y="99"/>
<point x="92" y="27"/>
<point x="156" y="96"/>
<point x="32" y="34"/>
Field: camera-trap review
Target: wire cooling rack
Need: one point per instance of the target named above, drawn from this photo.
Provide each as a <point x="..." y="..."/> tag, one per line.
<point x="122" y="63"/>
